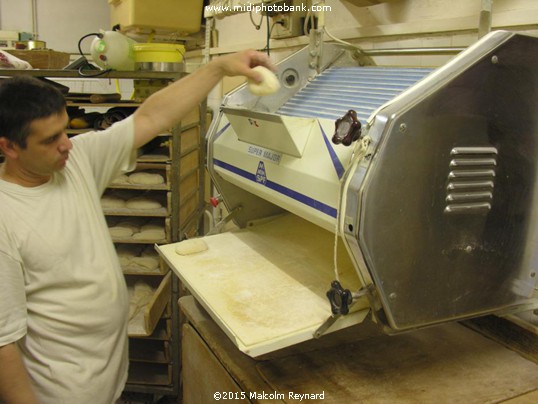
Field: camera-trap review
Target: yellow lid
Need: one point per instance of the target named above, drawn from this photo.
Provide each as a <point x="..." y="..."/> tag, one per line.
<point x="159" y="52"/>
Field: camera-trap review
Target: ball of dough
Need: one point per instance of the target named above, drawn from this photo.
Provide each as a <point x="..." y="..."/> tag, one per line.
<point x="268" y="85"/>
<point x="191" y="246"/>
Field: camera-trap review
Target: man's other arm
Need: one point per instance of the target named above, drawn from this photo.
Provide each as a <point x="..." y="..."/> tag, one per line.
<point x="14" y="380"/>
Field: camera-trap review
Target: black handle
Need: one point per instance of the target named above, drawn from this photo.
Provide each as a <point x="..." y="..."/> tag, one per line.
<point x="347" y="129"/>
<point x="339" y="298"/>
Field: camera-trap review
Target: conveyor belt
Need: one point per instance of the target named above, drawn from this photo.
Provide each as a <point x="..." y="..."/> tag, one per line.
<point x="339" y="89"/>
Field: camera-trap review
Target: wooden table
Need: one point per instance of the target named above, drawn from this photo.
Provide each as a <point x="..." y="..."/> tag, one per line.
<point x="450" y="363"/>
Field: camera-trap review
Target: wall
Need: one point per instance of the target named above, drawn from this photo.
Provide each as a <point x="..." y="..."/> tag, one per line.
<point x="393" y="19"/>
<point x="60" y="23"/>
<point x="389" y="24"/>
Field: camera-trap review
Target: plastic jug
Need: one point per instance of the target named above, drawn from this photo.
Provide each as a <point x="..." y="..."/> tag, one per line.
<point x="113" y="51"/>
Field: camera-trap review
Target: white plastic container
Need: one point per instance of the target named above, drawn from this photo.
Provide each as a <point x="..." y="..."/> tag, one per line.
<point x="113" y="51"/>
<point x="182" y="16"/>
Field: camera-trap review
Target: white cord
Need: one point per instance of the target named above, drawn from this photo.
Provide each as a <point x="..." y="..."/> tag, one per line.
<point x="360" y="151"/>
<point x="341" y="41"/>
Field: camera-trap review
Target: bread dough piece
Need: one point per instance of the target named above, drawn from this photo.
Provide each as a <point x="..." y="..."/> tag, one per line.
<point x="142" y="178"/>
<point x="120" y="232"/>
<point x="147" y="263"/>
<point x="139" y="297"/>
<point x="126" y="253"/>
<point x="142" y="202"/>
<point x="131" y="225"/>
<point x="192" y="246"/>
<point x="112" y="202"/>
<point x="269" y="84"/>
<point x="150" y="235"/>
<point x="153" y="225"/>
<point x="149" y="251"/>
<point x="121" y="180"/>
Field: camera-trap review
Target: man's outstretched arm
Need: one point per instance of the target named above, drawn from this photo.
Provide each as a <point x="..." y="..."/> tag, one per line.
<point x="164" y="109"/>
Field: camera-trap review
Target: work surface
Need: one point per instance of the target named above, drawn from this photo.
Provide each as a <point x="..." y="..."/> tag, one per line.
<point x="445" y="364"/>
<point x="266" y="285"/>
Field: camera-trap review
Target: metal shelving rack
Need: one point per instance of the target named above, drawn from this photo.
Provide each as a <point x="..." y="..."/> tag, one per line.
<point x="180" y="226"/>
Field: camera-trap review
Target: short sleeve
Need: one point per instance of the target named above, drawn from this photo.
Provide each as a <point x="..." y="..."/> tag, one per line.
<point x="109" y="152"/>
<point x="12" y="300"/>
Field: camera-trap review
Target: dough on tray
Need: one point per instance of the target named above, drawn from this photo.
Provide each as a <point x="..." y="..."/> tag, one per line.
<point x="127" y="252"/>
<point x="148" y="263"/>
<point x="149" y="251"/>
<point x="139" y="297"/>
<point x="152" y="225"/>
<point x="142" y="178"/>
<point x="129" y="224"/>
<point x="150" y="235"/>
<point x="120" y="232"/>
<point x="192" y="246"/>
<point x="112" y="202"/>
<point x="121" y="180"/>
<point x="142" y="202"/>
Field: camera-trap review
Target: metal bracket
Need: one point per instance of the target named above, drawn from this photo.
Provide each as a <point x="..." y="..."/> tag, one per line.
<point x="218" y="227"/>
<point x="336" y="315"/>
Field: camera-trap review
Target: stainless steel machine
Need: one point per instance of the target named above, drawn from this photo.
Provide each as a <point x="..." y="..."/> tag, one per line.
<point x="404" y="194"/>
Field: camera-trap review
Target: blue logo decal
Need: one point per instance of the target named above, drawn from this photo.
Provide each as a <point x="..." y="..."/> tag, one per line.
<point x="261" y="177"/>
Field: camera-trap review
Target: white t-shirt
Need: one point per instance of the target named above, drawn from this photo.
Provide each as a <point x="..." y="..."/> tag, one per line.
<point x="62" y="293"/>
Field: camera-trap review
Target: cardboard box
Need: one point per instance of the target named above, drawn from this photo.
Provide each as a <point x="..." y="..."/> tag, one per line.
<point x="42" y="58"/>
<point x="165" y="15"/>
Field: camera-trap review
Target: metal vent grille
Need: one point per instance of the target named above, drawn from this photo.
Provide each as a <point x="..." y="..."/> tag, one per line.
<point x="471" y="180"/>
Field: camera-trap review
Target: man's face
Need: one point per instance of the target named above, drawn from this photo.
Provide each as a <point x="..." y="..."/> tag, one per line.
<point x="47" y="146"/>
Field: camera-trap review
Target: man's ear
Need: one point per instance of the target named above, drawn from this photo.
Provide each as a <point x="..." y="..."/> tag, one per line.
<point x="8" y="148"/>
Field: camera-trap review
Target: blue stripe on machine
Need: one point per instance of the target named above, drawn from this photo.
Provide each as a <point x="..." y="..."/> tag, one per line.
<point x="320" y="206"/>
<point x="222" y="130"/>
<point x="235" y="170"/>
<point x="336" y="162"/>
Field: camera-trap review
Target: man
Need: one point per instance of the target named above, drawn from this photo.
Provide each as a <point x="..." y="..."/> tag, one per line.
<point x="63" y="300"/>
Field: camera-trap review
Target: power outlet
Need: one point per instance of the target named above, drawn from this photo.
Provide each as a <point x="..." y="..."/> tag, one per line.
<point x="287" y="25"/>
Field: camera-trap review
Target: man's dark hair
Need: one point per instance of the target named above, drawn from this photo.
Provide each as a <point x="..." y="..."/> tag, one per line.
<point x="24" y="99"/>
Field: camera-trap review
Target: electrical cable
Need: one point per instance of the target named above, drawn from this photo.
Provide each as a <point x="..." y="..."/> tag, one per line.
<point x="98" y="34"/>
<point x="257" y="26"/>
<point x="80" y="69"/>
<point x="350" y="45"/>
<point x="268" y="35"/>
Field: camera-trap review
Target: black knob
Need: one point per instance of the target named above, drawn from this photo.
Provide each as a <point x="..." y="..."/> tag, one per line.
<point x="339" y="298"/>
<point x="347" y="129"/>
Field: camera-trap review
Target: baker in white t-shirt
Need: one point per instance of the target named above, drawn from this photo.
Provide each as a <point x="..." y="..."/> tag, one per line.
<point x="63" y="299"/>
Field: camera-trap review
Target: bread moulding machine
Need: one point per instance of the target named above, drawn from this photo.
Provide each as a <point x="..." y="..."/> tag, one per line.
<point x="419" y="209"/>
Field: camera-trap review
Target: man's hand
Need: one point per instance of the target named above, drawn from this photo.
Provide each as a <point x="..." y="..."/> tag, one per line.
<point x="165" y="108"/>
<point x="241" y="64"/>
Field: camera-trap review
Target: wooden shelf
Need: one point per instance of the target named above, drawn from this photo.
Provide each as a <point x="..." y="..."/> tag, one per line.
<point x="123" y="104"/>
<point x="75" y="74"/>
